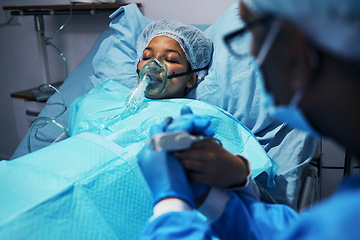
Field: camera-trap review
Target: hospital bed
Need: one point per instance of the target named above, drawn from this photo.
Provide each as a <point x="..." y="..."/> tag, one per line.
<point x="231" y="84"/>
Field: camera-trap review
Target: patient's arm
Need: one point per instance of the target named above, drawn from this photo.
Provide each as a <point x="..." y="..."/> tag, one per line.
<point x="209" y="163"/>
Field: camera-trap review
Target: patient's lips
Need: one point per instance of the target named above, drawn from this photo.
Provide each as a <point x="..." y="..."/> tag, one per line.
<point x="155" y="81"/>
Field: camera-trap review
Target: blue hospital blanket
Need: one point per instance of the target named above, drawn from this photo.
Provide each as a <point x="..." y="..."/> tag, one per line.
<point x="89" y="186"/>
<point x="85" y="187"/>
<point x="100" y="112"/>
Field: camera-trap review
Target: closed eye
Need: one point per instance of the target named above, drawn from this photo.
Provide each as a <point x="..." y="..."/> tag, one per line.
<point x="171" y="61"/>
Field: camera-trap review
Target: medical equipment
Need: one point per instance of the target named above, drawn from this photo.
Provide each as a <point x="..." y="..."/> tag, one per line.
<point x="156" y="74"/>
<point x="135" y="98"/>
<point x="48" y="40"/>
<point x="153" y="80"/>
<point x="41" y="122"/>
<point x="173" y="141"/>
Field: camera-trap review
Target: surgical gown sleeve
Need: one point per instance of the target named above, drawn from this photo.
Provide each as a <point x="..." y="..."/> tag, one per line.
<point x="247" y="218"/>
<point x="335" y="218"/>
<point x="177" y="225"/>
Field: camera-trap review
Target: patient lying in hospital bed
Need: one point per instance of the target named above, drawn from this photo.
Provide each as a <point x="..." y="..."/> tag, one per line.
<point x="89" y="185"/>
<point x="113" y="57"/>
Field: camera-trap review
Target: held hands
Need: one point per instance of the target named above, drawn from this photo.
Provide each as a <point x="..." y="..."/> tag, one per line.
<point x="188" y="122"/>
<point x="197" y="125"/>
<point x="207" y="162"/>
<point x="164" y="174"/>
<point x="162" y="171"/>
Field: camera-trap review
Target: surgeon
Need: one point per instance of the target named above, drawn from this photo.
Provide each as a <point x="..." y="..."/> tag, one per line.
<point x="309" y="56"/>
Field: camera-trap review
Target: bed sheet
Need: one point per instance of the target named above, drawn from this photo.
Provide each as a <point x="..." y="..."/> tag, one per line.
<point x="85" y="187"/>
<point x="231" y="84"/>
<point x="101" y="112"/>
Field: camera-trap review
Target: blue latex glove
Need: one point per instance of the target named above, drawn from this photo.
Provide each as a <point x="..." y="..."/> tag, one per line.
<point x="194" y="124"/>
<point x="197" y="125"/>
<point x="164" y="174"/>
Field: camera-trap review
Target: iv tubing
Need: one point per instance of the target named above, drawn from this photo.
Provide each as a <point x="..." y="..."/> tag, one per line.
<point x="47" y="40"/>
<point x="47" y="120"/>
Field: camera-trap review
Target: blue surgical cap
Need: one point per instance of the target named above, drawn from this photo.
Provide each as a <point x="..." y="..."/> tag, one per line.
<point x="332" y="24"/>
<point x="195" y="44"/>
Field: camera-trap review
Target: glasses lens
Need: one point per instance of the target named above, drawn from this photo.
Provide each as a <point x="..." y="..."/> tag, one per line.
<point x="267" y="42"/>
<point x="238" y="42"/>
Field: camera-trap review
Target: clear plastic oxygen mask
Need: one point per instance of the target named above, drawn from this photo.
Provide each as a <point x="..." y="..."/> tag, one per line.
<point x="154" y="79"/>
<point x="156" y="73"/>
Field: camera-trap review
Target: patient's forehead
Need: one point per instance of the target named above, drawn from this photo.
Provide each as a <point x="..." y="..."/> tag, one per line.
<point x="163" y="43"/>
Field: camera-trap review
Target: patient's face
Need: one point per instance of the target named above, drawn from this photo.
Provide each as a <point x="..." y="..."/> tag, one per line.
<point x="176" y="62"/>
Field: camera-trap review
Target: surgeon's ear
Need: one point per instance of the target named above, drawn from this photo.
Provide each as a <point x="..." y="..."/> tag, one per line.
<point x="192" y="80"/>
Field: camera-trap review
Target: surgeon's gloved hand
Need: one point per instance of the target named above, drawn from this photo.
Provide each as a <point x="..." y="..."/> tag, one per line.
<point x="191" y="123"/>
<point x="164" y="174"/>
<point x="197" y="125"/>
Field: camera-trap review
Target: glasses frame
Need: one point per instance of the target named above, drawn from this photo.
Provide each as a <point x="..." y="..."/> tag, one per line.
<point x="246" y="28"/>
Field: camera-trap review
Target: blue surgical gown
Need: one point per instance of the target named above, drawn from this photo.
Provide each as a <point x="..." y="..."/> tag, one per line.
<point x="247" y="218"/>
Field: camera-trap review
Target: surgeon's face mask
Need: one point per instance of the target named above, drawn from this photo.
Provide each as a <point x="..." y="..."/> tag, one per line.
<point x="291" y="113"/>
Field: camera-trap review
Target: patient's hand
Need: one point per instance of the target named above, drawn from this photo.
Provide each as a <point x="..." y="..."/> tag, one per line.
<point x="209" y="163"/>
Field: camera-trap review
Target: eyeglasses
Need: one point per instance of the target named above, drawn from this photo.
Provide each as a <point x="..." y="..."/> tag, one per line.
<point x="234" y="39"/>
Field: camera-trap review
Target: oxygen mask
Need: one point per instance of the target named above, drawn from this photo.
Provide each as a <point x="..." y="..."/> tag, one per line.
<point x="156" y="74"/>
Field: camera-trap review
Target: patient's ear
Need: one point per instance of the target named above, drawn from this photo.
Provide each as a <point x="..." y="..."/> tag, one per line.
<point x="192" y="80"/>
